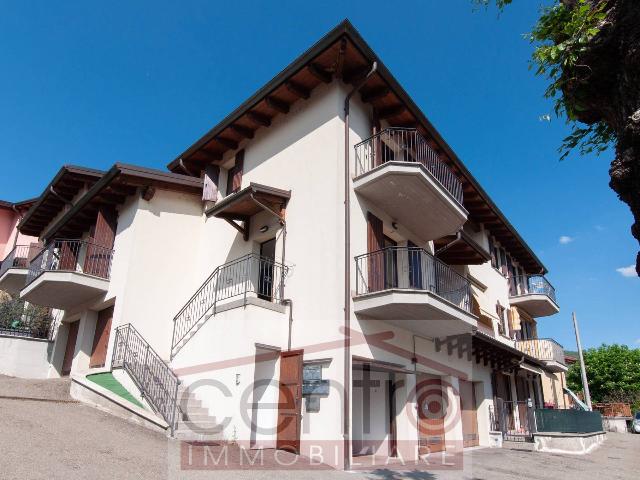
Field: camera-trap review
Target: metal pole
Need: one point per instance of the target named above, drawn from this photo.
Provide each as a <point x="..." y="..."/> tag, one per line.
<point x="583" y="370"/>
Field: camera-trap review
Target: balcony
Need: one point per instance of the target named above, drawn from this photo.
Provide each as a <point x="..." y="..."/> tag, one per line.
<point x="14" y="268"/>
<point x="401" y="175"/>
<point x="545" y="349"/>
<point x="68" y="273"/>
<point x="534" y="294"/>
<point x="410" y="288"/>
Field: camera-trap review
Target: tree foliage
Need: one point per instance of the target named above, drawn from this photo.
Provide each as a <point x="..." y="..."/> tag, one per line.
<point x="561" y="35"/>
<point x="16" y="314"/>
<point x="613" y="373"/>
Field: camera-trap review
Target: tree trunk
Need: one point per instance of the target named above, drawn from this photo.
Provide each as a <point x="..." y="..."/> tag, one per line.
<point x="606" y="84"/>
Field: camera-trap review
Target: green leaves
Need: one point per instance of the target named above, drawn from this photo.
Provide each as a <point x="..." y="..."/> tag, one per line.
<point x="612" y="370"/>
<point x="561" y="36"/>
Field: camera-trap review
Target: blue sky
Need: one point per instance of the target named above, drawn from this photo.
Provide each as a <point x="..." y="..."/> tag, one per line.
<point x="92" y="83"/>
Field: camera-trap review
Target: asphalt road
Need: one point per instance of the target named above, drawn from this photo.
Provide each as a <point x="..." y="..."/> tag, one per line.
<point x="48" y="436"/>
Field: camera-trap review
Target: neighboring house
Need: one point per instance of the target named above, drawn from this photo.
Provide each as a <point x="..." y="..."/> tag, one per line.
<point x="244" y="267"/>
<point x="24" y="329"/>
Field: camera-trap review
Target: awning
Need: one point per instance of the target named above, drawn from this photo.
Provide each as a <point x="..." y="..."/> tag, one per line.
<point x="531" y="368"/>
<point x="380" y="366"/>
<point x="242" y="205"/>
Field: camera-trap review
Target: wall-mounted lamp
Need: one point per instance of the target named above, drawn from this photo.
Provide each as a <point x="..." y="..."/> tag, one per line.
<point x="264" y="228"/>
<point x="394" y="225"/>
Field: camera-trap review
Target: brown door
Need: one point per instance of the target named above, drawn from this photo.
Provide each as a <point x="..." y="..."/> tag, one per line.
<point x="469" y="414"/>
<point x="521" y="392"/>
<point x="101" y="338"/>
<point x="290" y="401"/>
<point x="375" y="243"/>
<point x="71" y="348"/>
<point x="98" y="258"/>
<point x="431" y="413"/>
<point x="393" y="431"/>
<point x="68" y="254"/>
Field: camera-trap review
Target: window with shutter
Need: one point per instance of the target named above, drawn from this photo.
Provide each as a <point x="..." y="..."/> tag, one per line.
<point x="234" y="175"/>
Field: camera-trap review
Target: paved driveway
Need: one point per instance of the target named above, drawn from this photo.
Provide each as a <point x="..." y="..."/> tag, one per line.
<point x="48" y="436"/>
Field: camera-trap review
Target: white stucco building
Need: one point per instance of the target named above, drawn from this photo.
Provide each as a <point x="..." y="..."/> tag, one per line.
<point x="319" y="270"/>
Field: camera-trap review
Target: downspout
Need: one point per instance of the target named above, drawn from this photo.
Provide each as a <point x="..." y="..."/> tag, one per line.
<point x="288" y="301"/>
<point x="449" y="245"/>
<point x="347" y="268"/>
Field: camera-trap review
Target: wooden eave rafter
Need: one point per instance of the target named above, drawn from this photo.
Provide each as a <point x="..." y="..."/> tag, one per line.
<point x="343" y="53"/>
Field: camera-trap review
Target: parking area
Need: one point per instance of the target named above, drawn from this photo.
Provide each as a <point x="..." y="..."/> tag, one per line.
<point x="48" y="436"/>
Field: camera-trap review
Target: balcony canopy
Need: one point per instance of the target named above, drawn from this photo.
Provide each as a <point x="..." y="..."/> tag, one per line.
<point x="249" y="201"/>
<point x="461" y="249"/>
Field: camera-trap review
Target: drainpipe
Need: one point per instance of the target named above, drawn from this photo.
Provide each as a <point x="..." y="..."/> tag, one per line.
<point x="347" y="267"/>
<point x="288" y="301"/>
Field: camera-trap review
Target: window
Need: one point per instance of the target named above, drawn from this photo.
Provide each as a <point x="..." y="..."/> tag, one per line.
<point x="234" y="174"/>
<point x="501" y="312"/>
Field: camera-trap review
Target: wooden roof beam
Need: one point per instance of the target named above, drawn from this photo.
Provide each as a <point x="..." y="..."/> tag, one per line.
<point x="277" y="105"/>
<point x="319" y="72"/>
<point x="375" y="94"/>
<point x="389" y="112"/>
<point x="298" y="90"/>
<point x="227" y="142"/>
<point x="240" y="130"/>
<point x="259" y="118"/>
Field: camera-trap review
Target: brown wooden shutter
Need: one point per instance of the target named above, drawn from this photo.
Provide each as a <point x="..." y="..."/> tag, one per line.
<point x="238" y="169"/>
<point x="211" y="179"/>
<point x="492" y="251"/>
<point x="98" y="257"/>
<point x="375" y="243"/>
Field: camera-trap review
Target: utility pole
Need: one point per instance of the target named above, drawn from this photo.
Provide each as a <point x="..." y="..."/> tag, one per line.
<point x="583" y="370"/>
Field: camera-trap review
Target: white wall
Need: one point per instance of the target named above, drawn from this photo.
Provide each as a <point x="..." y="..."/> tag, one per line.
<point x="24" y="357"/>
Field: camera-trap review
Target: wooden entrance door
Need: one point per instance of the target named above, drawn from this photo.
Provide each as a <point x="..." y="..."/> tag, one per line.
<point x="469" y="414"/>
<point x="376" y="261"/>
<point x="431" y="413"/>
<point x="71" y="348"/>
<point x="101" y="338"/>
<point x="98" y="257"/>
<point x="290" y="401"/>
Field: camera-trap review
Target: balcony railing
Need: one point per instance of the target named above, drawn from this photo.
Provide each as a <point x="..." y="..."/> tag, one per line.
<point x="72" y="256"/>
<point x="531" y="284"/>
<point x="411" y="268"/>
<point x="545" y="349"/>
<point x="19" y="257"/>
<point x="405" y="145"/>
<point x="251" y="275"/>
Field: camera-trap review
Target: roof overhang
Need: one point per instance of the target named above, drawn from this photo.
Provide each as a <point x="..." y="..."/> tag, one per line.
<point x="111" y="190"/>
<point x="461" y="249"/>
<point x="343" y="53"/>
<point x="66" y="185"/>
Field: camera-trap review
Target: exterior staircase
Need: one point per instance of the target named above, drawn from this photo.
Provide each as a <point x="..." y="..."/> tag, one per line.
<point x="245" y="276"/>
<point x="194" y="422"/>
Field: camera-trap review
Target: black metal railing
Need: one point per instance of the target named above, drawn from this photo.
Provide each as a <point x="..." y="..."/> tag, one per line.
<point x="545" y="349"/>
<point x="531" y="284"/>
<point x="246" y="276"/>
<point x="19" y="257"/>
<point x="414" y="269"/>
<point x="72" y="256"/>
<point x="516" y="420"/>
<point x="21" y="319"/>
<point x="155" y="379"/>
<point x="405" y="145"/>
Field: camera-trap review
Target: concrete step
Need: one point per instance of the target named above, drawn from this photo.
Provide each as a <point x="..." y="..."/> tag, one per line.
<point x="198" y="435"/>
<point x="195" y="411"/>
<point x="197" y="417"/>
<point x="208" y="425"/>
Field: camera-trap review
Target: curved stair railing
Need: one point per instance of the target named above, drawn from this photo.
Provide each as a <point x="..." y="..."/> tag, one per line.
<point x="250" y="275"/>
<point x="155" y="379"/>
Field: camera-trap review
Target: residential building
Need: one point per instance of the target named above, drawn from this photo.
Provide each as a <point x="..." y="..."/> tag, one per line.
<point x="322" y="249"/>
